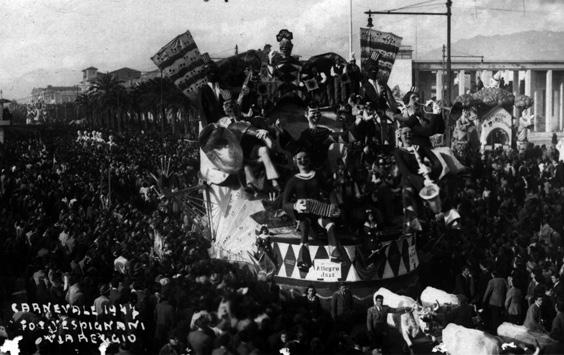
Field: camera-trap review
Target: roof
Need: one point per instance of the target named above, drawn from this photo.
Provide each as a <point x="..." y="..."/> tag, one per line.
<point x="125" y="69"/>
<point x="61" y="88"/>
<point x="90" y="68"/>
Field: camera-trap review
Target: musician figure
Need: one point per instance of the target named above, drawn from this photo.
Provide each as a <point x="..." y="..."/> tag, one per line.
<point x="306" y="185"/>
<point x="256" y="145"/>
<point x="423" y="124"/>
<point x="418" y="167"/>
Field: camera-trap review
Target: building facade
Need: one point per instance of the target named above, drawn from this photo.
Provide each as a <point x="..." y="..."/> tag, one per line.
<point x="54" y="94"/>
<point x="541" y="80"/>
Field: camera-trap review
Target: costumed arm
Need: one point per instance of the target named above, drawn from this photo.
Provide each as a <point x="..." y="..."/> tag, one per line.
<point x="402" y="166"/>
<point x="436" y="167"/>
<point x="288" y="195"/>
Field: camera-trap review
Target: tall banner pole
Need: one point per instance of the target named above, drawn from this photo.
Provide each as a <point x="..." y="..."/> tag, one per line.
<point x="350" y="29"/>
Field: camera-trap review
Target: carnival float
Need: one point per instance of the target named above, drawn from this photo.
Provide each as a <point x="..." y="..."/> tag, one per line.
<point x="253" y="114"/>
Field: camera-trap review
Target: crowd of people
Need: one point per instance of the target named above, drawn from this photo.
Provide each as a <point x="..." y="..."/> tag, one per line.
<point x="99" y="219"/>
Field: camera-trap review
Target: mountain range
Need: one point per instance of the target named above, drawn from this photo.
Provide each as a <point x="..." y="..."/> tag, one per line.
<point x="530" y="45"/>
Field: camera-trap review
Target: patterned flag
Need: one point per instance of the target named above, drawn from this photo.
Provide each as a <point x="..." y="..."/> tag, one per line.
<point x="379" y="48"/>
<point x="181" y="61"/>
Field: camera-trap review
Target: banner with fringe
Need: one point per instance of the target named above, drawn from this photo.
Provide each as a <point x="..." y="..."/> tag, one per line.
<point x="378" y="50"/>
<point x="181" y="61"/>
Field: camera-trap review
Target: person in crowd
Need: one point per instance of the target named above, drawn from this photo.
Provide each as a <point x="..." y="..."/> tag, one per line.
<point x="342" y="305"/>
<point x="494" y="298"/>
<point x="533" y="319"/>
<point x="377" y="324"/>
<point x="312" y="301"/>
<point x="200" y="339"/>
<point x="465" y="283"/>
<point x="173" y="347"/>
<point x="514" y="302"/>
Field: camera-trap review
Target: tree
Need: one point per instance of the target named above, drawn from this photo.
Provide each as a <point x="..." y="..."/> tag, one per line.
<point x="107" y="92"/>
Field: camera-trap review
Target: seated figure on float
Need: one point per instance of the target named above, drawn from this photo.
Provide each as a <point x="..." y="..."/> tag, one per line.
<point x="418" y="167"/>
<point x="305" y="194"/>
<point x="255" y="144"/>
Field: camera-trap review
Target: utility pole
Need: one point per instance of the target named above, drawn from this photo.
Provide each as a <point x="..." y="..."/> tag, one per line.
<point x="449" y="62"/>
<point x="448" y="14"/>
<point x="236" y="49"/>
<point x="350" y="29"/>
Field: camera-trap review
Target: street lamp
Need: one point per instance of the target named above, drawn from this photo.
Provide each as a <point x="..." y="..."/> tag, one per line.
<point x="370" y="24"/>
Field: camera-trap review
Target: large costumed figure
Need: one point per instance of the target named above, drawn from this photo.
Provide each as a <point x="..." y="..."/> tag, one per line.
<point x="283" y="66"/>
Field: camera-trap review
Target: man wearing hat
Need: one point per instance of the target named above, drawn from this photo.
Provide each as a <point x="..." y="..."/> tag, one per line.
<point x="211" y="96"/>
<point x="354" y="76"/>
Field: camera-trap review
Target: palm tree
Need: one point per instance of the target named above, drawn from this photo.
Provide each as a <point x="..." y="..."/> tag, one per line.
<point x="86" y="102"/>
<point x="107" y="91"/>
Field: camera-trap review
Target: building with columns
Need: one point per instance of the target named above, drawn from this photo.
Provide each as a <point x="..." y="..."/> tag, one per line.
<point x="541" y="80"/>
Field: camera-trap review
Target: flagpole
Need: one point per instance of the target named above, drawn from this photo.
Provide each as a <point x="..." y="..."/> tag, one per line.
<point x="350" y="29"/>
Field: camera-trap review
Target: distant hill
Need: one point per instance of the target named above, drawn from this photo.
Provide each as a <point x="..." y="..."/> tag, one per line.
<point x="530" y="45"/>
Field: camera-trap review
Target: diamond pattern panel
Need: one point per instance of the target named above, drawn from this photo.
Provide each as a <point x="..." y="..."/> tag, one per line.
<point x="289" y="261"/>
<point x="405" y="252"/>
<point x="322" y="253"/>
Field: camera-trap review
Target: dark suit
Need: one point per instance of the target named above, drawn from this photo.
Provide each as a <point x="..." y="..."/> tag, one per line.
<point x="374" y="95"/>
<point x="494" y="297"/>
<point x="377" y="326"/>
<point x="342" y="307"/>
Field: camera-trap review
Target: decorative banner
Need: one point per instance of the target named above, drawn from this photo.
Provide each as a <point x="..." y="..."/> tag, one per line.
<point x="180" y="60"/>
<point x="326" y="270"/>
<point x="384" y="46"/>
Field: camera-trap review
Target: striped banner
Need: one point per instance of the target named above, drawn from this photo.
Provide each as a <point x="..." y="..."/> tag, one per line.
<point x="381" y="45"/>
<point x="181" y="61"/>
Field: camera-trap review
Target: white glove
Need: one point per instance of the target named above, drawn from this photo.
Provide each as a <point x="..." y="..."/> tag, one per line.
<point x="300" y="206"/>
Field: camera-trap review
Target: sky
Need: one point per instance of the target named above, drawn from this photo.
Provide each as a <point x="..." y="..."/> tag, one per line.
<point x="50" y="41"/>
